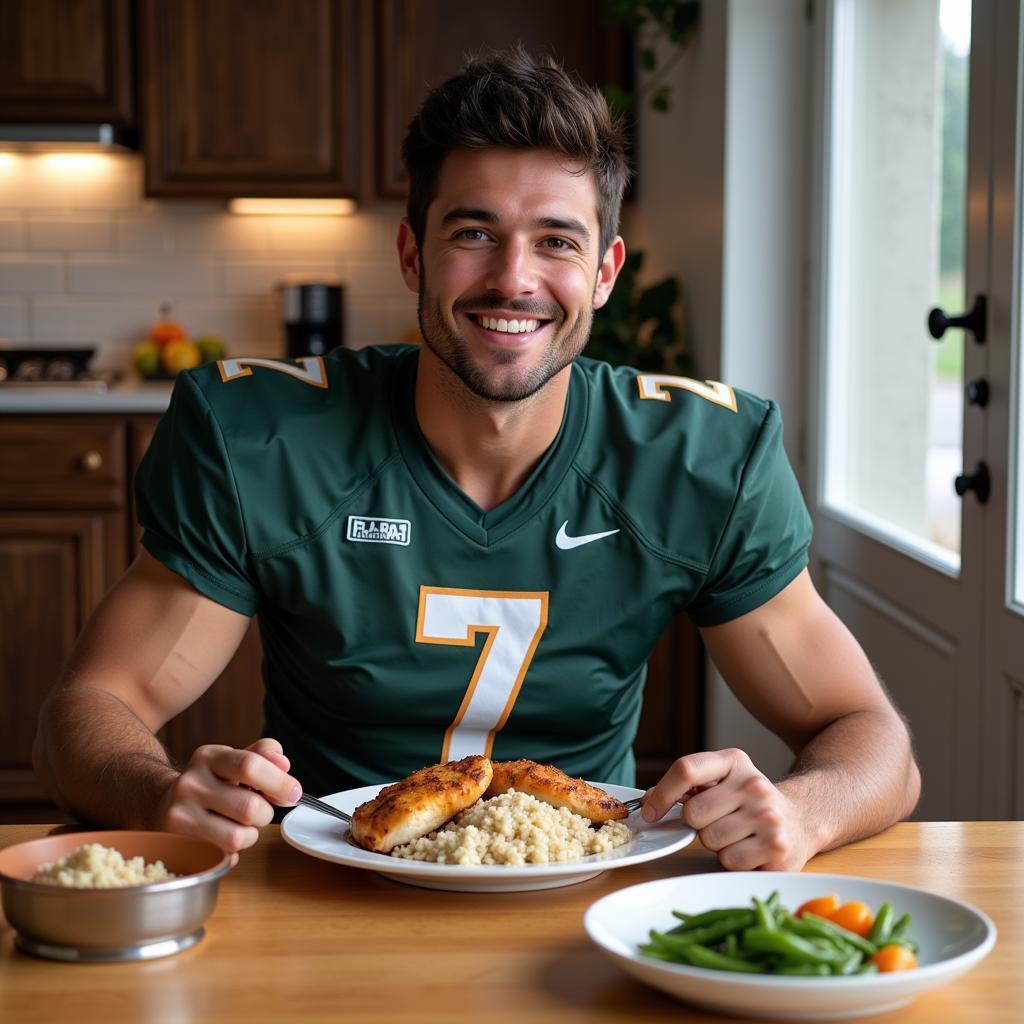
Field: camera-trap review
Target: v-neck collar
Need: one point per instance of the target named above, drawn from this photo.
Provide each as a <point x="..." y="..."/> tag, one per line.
<point x="485" y="528"/>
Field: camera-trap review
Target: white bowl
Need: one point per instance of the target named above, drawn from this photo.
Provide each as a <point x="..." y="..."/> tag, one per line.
<point x="953" y="937"/>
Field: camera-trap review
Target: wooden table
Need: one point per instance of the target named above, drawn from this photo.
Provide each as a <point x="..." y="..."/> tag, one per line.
<point x="298" y="939"/>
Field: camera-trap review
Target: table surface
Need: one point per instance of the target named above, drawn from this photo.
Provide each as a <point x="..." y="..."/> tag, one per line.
<point x="294" y="938"/>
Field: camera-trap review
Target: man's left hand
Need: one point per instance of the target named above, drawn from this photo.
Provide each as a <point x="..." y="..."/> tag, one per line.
<point x="736" y="810"/>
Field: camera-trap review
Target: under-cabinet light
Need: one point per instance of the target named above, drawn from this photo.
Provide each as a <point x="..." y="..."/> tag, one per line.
<point x="293" y="207"/>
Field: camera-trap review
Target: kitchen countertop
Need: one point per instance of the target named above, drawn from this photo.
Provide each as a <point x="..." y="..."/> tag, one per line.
<point x="298" y="939"/>
<point x="130" y="395"/>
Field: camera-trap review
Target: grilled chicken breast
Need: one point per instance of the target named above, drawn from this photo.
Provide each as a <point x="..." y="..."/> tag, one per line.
<point x="553" y="786"/>
<point x="421" y="802"/>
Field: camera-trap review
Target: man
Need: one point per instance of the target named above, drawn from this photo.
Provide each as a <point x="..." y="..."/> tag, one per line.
<point x="474" y="545"/>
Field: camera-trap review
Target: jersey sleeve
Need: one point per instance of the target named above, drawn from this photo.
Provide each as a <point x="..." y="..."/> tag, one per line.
<point x="766" y="537"/>
<point x="188" y="504"/>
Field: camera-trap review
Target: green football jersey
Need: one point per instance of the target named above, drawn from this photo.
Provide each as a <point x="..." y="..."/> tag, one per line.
<point x="401" y="624"/>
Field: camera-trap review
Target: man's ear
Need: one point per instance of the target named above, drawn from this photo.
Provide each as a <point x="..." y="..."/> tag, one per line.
<point x="408" y="256"/>
<point x="608" y="271"/>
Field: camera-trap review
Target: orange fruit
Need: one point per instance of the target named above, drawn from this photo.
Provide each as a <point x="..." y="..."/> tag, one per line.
<point x="854" y="917"/>
<point x="823" y="906"/>
<point x="894" y="958"/>
<point x="179" y="354"/>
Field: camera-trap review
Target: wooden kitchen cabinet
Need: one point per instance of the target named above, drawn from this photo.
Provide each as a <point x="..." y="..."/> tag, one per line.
<point x="66" y="61"/>
<point x="66" y="534"/>
<point x="421" y="43"/>
<point x="250" y="99"/>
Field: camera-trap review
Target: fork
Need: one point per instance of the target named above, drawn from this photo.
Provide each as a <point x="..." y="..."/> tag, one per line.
<point x="324" y="808"/>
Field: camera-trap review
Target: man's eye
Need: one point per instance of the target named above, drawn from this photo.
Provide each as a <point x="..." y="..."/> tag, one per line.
<point x="558" y="244"/>
<point x="471" y="234"/>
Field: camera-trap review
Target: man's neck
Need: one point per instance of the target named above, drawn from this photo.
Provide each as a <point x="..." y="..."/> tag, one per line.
<point x="488" y="448"/>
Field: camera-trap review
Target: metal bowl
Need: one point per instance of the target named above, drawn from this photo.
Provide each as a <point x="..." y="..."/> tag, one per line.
<point x="137" y="922"/>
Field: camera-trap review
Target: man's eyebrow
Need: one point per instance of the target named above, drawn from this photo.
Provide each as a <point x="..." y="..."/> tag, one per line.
<point x="568" y="224"/>
<point x="468" y="213"/>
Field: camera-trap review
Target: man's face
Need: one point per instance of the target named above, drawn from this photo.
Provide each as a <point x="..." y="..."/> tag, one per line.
<point x="510" y="273"/>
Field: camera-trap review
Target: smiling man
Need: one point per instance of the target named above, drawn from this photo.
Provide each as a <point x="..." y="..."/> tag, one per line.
<point x="472" y="546"/>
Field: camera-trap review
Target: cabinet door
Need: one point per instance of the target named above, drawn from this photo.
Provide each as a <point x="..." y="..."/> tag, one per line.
<point x="249" y="99"/>
<point x="420" y="43"/>
<point x="65" y="60"/>
<point x="231" y="710"/>
<point x="55" y="568"/>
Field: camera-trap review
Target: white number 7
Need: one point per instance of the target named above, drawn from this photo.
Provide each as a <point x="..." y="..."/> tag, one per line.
<point x="513" y="621"/>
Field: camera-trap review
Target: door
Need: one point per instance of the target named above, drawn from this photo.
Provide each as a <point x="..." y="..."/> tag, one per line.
<point x="917" y="211"/>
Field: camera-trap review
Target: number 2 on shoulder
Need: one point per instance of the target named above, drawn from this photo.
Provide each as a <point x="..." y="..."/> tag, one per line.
<point x="513" y="621"/>
<point x="654" y="385"/>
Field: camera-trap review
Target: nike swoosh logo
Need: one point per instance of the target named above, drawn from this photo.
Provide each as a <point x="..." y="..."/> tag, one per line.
<point x="567" y="543"/>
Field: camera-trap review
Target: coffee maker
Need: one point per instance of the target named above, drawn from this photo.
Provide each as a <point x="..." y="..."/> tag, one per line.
<point x="313" y="313"/>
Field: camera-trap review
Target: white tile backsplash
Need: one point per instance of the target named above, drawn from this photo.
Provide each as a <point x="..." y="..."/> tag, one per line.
<point x="165" y="278"/>
<point x="14" y="318"/>
<point x="12" y="233"/>
<point x="86" y="258"/>
<point x="70" y="235"/>
<point x="30" y="275"/>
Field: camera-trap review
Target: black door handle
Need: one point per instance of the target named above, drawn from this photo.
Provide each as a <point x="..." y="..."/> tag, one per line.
<point x="977" y="392"/>
<point x="978" y="481"/>
<point x="973" y="321"/>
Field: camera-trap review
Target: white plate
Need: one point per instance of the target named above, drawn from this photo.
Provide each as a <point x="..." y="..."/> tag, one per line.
<point x="952" y="936"/>
<point x="327" y="838"/>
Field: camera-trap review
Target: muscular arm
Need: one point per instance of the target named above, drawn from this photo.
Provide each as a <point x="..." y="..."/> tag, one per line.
<point x="799" y="671"/>
<point x="151" y="649"/>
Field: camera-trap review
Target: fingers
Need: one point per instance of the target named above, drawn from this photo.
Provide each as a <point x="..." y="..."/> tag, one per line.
<point x="252" y="769"/>
<point x="735" y="809"/>
<point x="272" y="750"/>
<point x="226" y="795"/>
<point x="693" y="772"/>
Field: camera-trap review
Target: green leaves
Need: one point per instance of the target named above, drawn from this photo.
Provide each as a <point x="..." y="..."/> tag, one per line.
<point x="650" y="21"/>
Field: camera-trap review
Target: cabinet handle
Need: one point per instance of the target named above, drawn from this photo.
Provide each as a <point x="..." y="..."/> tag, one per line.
<point x="91" y="461"/>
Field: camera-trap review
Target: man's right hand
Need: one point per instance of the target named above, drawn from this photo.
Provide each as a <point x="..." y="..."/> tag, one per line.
<point x="226" y="795"/>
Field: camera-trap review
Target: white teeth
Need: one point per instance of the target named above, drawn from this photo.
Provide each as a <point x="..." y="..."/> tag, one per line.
<point x="509" y="326"/>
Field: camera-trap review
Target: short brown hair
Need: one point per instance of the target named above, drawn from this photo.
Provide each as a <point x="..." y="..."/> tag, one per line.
<point x="508" y="98"/>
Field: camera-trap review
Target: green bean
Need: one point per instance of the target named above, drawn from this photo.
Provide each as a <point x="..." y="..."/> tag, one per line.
<point x="829" y="928"/>
<point x="708" y="917"/>
<point x="701" y="956"/>
<point x="882" y="927"/>
<point x="765" y="918"/>
<point x="766" y="939"/>
<point x="816" y="933"/>
<point x="851" y="963"/>
<point x="712" y="933"/>
<point x="763" y="940"/>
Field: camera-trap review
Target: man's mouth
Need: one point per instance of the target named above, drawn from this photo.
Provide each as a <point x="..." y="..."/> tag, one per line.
<point x="508" y="325"/>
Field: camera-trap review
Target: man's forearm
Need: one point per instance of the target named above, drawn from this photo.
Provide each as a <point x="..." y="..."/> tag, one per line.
<point x="99" y="761"/>
<point x="855" y="778"/>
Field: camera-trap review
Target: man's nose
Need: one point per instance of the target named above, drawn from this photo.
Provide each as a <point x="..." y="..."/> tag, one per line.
<point x="512" y="269"/>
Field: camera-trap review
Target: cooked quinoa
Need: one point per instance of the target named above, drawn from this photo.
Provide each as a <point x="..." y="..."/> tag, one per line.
<point x="94" y="866"/>
<point x="515" y="828"/>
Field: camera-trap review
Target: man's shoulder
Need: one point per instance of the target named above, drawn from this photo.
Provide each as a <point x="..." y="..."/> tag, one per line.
<point x="246" y="391"/>
<point x="672" y="453"/>
<point x="667" y="412"/>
